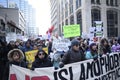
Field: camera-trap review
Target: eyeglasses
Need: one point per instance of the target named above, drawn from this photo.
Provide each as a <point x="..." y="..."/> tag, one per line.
<point x="41" y="53"/>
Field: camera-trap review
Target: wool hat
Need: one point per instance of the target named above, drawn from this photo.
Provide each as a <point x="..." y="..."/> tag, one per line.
<point x="74" y="42"/>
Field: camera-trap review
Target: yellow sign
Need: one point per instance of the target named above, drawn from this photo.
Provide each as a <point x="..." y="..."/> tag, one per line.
<point x="30" y="57"/>
<point x="71" y="30"/>
<point x="45" y="49"/>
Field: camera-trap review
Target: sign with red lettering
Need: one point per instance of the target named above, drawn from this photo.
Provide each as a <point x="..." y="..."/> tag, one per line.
<point x="104" y="68"/>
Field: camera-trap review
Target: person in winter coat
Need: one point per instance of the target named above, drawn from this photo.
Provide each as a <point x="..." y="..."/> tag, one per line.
<point x="11" y="46"/>
<point x="93" y="52"/>
<point x="115" y="46"/>
<point x="73" y="55"/>
<point x="15" y="57"/>
<point x="3" y="57"/>
<point x="41" y="60"/>
<point x="56" y="58"/>
<point x="27" y="47"/>
<point x="104" y="46"/>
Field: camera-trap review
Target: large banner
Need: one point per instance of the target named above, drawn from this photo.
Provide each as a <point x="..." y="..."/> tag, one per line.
<point x="104" y="68"/>
<point x="71" y="30"/>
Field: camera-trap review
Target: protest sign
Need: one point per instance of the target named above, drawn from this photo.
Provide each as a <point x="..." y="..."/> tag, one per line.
<point x="45" y="49"/>
<point x="104" y="68"/>
<point x="71" y="30"/>
<point x="61" y="45"/>
<point x="30" y="57"/>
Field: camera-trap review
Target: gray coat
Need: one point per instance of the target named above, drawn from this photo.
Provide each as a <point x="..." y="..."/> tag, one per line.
<point x="73" y="56"/>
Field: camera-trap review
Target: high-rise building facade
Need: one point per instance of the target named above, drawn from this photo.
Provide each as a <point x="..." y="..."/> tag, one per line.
<point x="31" y="21"/>
<point x="4" y="3"/>
<point x="85" y="13"/>
<point x="28" y="12"/>
<point x="55" y="15"/>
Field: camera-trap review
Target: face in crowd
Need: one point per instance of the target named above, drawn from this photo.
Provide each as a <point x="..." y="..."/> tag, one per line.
<point x="41" y="55"/>
<point x="16" y="56"/>
<point x="76" y="47"/>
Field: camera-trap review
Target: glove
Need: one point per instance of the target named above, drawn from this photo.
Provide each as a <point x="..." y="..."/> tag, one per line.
<point x="32" y="69"/>
<point x="55" y="68"/>
<point x="61" y="64"/>
<point x="95" y="58"/>
<point x="100" y="55"/>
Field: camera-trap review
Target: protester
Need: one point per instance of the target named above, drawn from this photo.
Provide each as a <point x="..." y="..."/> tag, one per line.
<point x="11" y="45"/>
<point x="92" y="53"/>
<point x="41" y="60"/>
<point x="104" y="46"/>
<point x="115" y="47"/>
<point x="17" y="44"/>
<point x="15" y="57"/>
<point x="27" y="47"/>
<point x="50" y="47"/>
<point x="56" y="58"/>
<point x="73" y="55"/>
<point x="3" y="57"/>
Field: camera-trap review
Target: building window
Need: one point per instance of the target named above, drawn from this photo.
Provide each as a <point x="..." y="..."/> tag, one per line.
<point x="62" y="23"/>
<point x="72" y="19"/>
<point x="66" y="21"/>
<point x="66" y="10"/>
<point x="78" y="3"/>
<point x="95" y="1"/>
<point x="12" y="29"/>
<point x="112" y="23"/>
<point x="71" y="9"/>
<point x="79" y="20"/>
<point x="116" y="2"/>
<point x="96" y="16"/>
<point x="112" y="3"/>
<point x="2" y="25"/>
<point x="71" y="6"/>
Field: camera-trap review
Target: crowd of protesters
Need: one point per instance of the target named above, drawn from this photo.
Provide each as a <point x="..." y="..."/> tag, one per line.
<point x="79" y="50"/>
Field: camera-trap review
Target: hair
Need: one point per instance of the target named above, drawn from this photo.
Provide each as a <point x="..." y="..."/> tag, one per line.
<point x="43" y="53"/>
<point x="103" y="41"/>
<point x="11" y="53"/>
<point x="91" y="50"/>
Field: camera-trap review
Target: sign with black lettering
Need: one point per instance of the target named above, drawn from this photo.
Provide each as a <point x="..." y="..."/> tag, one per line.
<point x="104" y="68"/>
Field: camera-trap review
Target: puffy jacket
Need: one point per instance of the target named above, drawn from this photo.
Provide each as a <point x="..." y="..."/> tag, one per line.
<point x="39" y="63"/>
<point x="11" y="61"/>
<point x="73" y="56"/>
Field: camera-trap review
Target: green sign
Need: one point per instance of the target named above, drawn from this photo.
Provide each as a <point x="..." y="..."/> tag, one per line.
<point x="71" y="30"/>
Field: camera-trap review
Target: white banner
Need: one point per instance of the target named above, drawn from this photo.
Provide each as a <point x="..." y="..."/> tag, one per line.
<point x="105" y="68"/>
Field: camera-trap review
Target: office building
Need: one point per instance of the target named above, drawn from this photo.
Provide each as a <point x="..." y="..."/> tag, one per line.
<point x="85" y="13"/>
<point x="27" y="11"/>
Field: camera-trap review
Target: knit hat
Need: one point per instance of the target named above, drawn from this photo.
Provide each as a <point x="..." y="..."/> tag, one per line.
<point x="74" y="42"/>
<point x="92" y="44"/>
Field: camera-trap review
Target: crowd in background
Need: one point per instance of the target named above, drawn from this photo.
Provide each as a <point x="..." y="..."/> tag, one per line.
<point x="79" y="50"/>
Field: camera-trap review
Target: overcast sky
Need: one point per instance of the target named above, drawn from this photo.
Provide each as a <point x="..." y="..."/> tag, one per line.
<point x="42" y="14"/>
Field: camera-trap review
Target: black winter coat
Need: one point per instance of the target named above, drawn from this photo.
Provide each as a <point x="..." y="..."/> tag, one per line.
<point x="73" y="56"/>
<point x="7" y="68"/>
<point x="39" y="63"/>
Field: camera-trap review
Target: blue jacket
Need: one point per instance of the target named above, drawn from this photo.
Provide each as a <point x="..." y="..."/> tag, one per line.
<point x="88" y="55"/>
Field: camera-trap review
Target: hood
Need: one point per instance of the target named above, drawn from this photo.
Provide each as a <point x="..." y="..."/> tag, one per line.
<point x="10" y="54"/>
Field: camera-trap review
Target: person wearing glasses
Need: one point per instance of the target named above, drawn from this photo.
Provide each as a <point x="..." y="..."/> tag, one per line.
<point x="41" y="60"/>
<point x="74" y="54"/>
